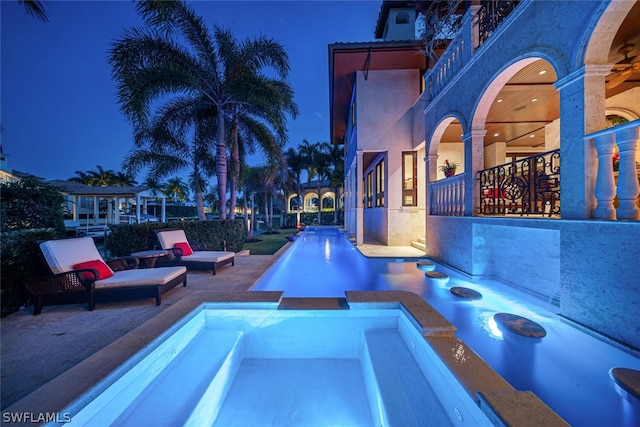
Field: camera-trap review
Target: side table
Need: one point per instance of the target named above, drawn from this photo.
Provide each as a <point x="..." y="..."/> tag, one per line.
<point x="149" y="258"/>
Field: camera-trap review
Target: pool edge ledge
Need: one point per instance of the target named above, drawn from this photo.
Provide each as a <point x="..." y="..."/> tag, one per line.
<point x="521" y="408"/>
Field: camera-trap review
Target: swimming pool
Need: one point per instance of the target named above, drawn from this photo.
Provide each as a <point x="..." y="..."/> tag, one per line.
<point x="568" y="368"/>
<point x="253" y="364"/>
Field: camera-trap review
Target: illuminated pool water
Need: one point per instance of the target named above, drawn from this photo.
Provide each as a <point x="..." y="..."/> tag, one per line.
<point x="248" y="364"/>
<point x="568" y="368"/>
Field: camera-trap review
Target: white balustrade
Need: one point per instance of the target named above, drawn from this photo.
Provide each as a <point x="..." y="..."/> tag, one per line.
<point x="627" y="189"/>
<point x="447" y="196"/>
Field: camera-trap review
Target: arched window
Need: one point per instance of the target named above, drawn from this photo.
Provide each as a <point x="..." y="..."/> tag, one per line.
<point x="402" y="18"/>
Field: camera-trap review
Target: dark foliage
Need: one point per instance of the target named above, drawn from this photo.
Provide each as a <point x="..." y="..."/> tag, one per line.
<point x="126" y="239"/>
<point x="21" y="258"/>
<point x="31" y="203"/>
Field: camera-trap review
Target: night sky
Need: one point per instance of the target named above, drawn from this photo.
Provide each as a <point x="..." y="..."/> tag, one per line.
<point x="58" y="108"/>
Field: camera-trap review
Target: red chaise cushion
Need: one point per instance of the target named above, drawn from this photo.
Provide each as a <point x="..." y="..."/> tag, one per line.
<point x="103" y="269"/>
<point x="186" y="249"/>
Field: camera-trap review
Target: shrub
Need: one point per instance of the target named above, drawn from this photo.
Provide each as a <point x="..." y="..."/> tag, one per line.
<point x="31" y="203"/>
<point x="21" y="258"/>
<point x="125" y="239"/>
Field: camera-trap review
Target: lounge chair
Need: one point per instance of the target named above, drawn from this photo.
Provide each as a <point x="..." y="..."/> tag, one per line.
<point x="193" y="255"/>
<point x="81" y="275"/>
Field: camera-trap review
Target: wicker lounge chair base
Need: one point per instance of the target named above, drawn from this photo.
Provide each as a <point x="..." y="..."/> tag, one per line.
<point x="72" y="285"/>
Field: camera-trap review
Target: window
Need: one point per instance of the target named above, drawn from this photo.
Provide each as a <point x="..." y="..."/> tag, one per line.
<point x="409" y="178"/>
<point x="380" y="183"/>
<point x="402" y="18"/>
<point x="370" y="189"/>
<point x="364" y="192"/>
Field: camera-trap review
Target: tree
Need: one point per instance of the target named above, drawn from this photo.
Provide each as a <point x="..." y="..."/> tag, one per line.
<point x="31" y="203"/>
<point x="320" y="162"/>
<point x="178" y="57"/>
<point x="177" y="137"/>
<point x="335" y="157"/>
<point x="176" y="189"/>
<point x="296" y="164"/>
<point x="103" y="178"/>
<point x="35" y="8"/>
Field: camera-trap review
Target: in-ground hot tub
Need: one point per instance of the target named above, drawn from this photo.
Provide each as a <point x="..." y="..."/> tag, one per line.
<point x="359" y="361"/>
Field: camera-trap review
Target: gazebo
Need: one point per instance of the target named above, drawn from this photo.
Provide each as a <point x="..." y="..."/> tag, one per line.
<point x="83" y="202"/>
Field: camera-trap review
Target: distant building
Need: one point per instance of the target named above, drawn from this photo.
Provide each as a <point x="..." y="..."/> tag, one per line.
<point x="7" y="174"/>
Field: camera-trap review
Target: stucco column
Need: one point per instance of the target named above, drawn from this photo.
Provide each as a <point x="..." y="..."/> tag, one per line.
<point x="582" y="111"/>
<point x="138" y="208"/>
<point x="96" y="211"/>
<point x="473" y="163"/>
<point x="359" y="196"/>
<point x="628" y="188"/>
<point x="431" y="173"/>
<point x="164" y="210"/>
<point x="116" y="219"/>
<point x="605" y="189"/>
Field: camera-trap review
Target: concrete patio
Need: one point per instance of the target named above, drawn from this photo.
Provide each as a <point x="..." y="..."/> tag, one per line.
<point x="49" y="359"/>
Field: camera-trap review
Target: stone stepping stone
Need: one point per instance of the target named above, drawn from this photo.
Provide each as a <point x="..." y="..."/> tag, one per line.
<point x="436" y="275"/>
<point x="520" y="325"/>
<point x="425" y="265"/>
<point x="467" y="293"/>
<point x="628" y="380"/>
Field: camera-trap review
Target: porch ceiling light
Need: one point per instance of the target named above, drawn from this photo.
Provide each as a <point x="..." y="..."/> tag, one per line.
<point x="499" y="100"/>
<point x="496" y="134"/>
<point x="534" y="99"/>
<point x="543" y="72"/>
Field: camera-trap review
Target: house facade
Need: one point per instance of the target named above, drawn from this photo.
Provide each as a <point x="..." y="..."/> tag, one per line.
<point x="538" y="103"/>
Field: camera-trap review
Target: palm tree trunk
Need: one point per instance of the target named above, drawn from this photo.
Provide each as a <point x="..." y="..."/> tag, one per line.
<point x="235" y="167"/>
<point x="319" y="202"/>
<point x="199" y="198"/>
<point x="335" y="206"/>
<point x="300" y="202"/>
<point x="221" y="164"/>
<point x="271" y="212"/>
<point x="253" y="218"/>
<point x="245" y="215"/>
<point x="266" y="212"/>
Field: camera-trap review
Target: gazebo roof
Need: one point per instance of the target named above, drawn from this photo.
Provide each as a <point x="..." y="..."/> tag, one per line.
<point x="79" y="189"/>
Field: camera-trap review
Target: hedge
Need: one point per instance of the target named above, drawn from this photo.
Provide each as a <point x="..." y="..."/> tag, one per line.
<point x="125" y="239"/>
<point x="21" y="258"/>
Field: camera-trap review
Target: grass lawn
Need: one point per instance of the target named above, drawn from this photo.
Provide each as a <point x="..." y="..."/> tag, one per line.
<point x="267" y="244"/>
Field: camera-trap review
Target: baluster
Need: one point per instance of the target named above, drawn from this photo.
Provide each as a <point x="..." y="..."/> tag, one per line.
<point x="628" y="188"/>
<point x="605" y="188"/>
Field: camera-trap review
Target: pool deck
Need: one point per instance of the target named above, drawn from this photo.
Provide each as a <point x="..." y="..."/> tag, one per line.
<point x="66" y="339"/>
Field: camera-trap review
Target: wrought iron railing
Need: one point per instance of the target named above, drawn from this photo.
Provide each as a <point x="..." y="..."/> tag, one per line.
<point x="491" y="15"/>
<point x="529" y="186"/>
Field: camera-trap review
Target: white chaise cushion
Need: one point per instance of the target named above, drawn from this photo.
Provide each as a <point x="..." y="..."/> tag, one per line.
<point x="208" y="256"/>
<point x="62" y="255"/>
<point x="141" y="277"/>
<point x="169" y="238"/>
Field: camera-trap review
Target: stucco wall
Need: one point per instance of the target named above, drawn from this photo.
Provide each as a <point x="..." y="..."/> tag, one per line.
<point x="592" y="267"/>
<point x="384" y="102"/>
<point x="600" y="276"/>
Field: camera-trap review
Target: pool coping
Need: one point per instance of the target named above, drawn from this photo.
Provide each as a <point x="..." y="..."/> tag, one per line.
<point x="495" y="396"/>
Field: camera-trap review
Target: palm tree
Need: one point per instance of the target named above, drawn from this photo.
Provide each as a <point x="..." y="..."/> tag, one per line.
<point x="335" y="157"/>
<point x="307" y="151"/>
<point x="123" y="179"/>
<point x="320" y="162"/>
<point x="177" y="137"/>
<point x="35" y="8"/>
<point x="296" y="164"/>
<point x="176" y="189"/>
<point x="179" y="57"/>
<point x="252" y="181"/>
<point x="97" y="178"/>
